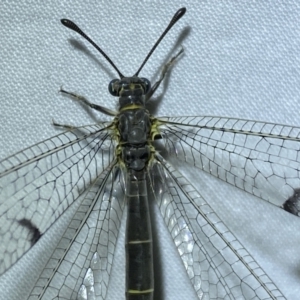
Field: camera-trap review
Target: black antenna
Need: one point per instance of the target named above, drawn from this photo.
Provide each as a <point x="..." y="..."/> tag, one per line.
<point x="175" y="18"/>
<point x="74" y="27"/>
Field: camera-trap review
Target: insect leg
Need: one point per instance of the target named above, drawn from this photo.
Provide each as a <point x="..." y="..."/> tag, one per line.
<point x="163" y="74"/>
<point x="65" y="126"/>
<point x="88" y="103"/>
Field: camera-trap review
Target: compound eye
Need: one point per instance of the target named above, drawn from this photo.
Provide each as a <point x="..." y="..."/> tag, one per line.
<point x="146" y="85"/>
<point x="113" y="87"/>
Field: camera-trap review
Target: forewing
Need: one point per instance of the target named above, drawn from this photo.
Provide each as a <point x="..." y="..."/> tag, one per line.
<point x="39" y="183"/>
<point x="217" y="264"/>
<point x="261" y="158"/>
<point x="80" y="266"/>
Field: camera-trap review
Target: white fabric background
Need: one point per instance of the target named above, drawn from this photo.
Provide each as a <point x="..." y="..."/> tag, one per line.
<point x="241" y="60"/>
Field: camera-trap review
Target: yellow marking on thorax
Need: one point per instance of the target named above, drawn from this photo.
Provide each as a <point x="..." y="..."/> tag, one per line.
<point x="155" y="123"/>
<point x="131" y="106"/>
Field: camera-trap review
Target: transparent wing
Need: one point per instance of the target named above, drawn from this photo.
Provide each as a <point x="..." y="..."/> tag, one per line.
<point x="261" y="158"/>
<point x="217" y="264"/>
<point x="39" y="183"/>
<point x="80" y="266"/>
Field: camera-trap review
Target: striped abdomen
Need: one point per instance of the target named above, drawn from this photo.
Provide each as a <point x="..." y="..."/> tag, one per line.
<point x="139" y="258"/>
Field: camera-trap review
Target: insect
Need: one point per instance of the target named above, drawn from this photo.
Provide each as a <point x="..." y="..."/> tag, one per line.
<point x="95" y="170"/>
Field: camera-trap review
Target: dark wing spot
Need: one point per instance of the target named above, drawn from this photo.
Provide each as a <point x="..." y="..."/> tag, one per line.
<point x="292" y="205"/>
<point x="35" y="233"/>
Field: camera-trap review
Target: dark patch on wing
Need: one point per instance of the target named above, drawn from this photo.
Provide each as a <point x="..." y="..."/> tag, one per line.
<point x="35" y="233"/>
<point x="292" y="205"/>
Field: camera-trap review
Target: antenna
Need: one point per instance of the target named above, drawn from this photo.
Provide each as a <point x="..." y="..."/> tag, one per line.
<point x="180" y="12"/>
<point x="74" y="27"/>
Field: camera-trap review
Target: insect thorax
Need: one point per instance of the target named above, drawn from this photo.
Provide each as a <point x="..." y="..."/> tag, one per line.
<point x="133" y="122"/>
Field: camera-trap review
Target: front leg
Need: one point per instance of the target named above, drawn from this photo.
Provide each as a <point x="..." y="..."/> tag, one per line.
<point x="163" y="74"/>
<point x="88" y="103"/>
